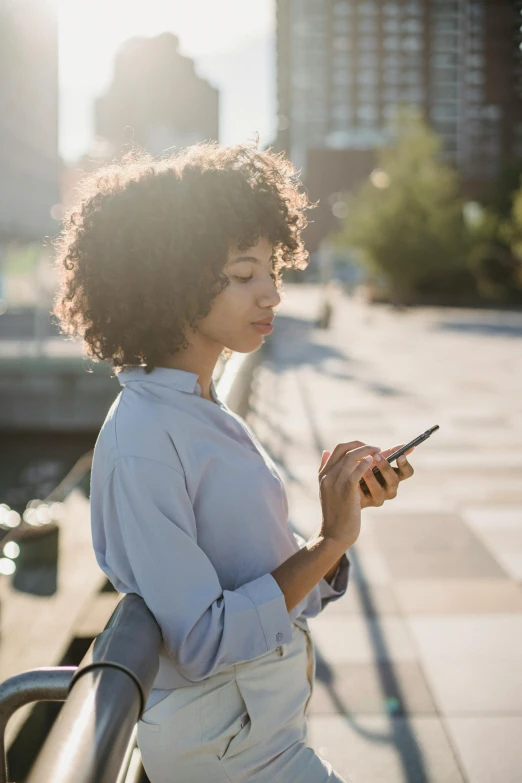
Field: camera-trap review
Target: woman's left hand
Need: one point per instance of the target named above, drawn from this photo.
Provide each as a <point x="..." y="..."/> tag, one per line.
<point x="392" y="477"/>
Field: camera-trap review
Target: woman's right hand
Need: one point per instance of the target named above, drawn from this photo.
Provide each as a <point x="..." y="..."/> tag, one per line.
<point x="339" y="477"/>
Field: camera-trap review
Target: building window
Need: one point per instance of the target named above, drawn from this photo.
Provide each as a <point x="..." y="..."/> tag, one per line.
<point x="368" y="43"/>
<point x="445" y="44"/>
<point x="474" y="94"/>
<point x="414" y="95"/>
<point x="391" y="9"/>
<point x="411" y="44"/>
<point x="368" y="112"/>
<point x="343" y="76"/>
<point x="444" y="111"/>
<point x="444" y="60"/>
<point x="342" y="25"/>
<point x="391" y="94"/>
<point x="391" y="76"/>
<point x="446" y="92"/>
<point x="342" y="43"/>
<point x="476" y="44"/>
<point x="367" y="77"/>
<point x="342" y="8"/>
<point x="412" y="26"/>
<point x="475" y="77"/>
<point x="391" y="26"/>
<point x="475" y="60"/>
<point x="412" y="78"/>
<point x="392" y="61"/>
<point x="413" y="9"/>
<point x="367" y="8"/>
<point x="447" y="8"/>
<point x="392" y="43"/>
<point x="444" y="26"/>
<point x="367" y="25"/>
<point x="446" y="76"/>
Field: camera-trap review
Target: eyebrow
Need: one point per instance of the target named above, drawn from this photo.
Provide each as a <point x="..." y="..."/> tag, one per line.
<point x="248" y="258"/>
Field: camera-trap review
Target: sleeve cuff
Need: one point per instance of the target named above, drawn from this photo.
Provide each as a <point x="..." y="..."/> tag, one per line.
<point x="269" y="601"/>
<point x="333" y="591"/>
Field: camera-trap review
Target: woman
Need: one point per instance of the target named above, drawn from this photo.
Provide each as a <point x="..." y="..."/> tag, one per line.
<point x="165" y="264"/>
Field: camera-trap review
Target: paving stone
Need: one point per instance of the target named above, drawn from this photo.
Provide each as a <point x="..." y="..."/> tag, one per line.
<point x="378" y="749"/>
<point x="457" y="596"/>
<point x="434" y="546"/>
<point x="475" y="687"/>
<point x="493" y="517"/>
<point x="351" y="639"/>
<point x="489" y="747"/>
<point x="472" y="662"/>
<point x="364" y="599"/>
<point x="384" y="687"/>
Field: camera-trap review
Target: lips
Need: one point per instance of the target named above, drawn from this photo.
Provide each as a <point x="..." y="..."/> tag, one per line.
<point x="265" y="322"/>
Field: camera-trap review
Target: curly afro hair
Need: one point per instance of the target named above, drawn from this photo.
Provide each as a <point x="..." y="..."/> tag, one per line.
<point x="141" y="255"/>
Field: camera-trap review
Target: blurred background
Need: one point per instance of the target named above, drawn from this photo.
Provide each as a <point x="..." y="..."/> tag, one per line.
<point x="404" y="118"/>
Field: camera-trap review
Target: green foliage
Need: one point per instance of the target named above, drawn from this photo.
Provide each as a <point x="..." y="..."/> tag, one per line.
<point x="494" y="256"/>
<point x="408" y="224"/>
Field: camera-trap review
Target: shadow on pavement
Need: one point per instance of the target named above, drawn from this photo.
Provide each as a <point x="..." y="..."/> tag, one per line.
<point x="483" y="329"/>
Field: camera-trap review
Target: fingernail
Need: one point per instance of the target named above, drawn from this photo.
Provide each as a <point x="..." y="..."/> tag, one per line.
<point x="378" y="457"/>
<point x="401" y="460"/>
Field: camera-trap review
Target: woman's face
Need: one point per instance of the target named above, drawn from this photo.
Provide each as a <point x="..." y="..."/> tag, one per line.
<point x="250" y="296"/>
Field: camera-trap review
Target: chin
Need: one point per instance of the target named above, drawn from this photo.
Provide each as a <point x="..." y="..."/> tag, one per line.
<point x="246" y="346"/>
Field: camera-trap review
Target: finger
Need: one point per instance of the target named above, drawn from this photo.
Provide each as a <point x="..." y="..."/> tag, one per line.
<point x="359" y="470"/>
<point x="386" y="453"/>
<point x="344" y="467"/>
<point x="324" y="459"/>
<point x="341" y="449"/>
<point x="388" y="473"/>
<point x="404" y="468"/>
<point x="377" y="492"/>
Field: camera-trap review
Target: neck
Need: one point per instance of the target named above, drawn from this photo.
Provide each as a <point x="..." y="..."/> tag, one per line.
<point x="200" y="358"/>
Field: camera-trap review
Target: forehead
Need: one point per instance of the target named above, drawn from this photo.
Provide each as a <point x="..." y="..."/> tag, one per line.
<point x="260" y="253"/>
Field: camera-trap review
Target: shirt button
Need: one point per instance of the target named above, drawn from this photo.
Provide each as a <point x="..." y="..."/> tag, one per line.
<point x="279" y="637"/>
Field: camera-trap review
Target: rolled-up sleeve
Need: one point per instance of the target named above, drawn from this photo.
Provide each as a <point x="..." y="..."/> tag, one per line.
<point x="325" y="592"/>
<point x="148" y="545"/>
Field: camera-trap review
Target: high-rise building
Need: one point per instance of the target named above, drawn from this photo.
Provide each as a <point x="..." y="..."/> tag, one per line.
<point x="156" y="99"/>
<point x="29" y="157"/>
<point x="345" y="65"/>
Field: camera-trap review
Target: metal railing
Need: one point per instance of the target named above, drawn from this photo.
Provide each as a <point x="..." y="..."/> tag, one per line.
<point x="93" y="739"/>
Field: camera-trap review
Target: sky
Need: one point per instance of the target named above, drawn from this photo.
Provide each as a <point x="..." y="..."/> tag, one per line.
<point x="231" y="42"/>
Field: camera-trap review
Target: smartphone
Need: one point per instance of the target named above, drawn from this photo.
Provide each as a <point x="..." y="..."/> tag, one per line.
<point x="415" y="442"/>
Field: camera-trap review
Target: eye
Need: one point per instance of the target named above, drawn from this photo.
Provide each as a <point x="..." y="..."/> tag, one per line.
<point x="246" y="279"/>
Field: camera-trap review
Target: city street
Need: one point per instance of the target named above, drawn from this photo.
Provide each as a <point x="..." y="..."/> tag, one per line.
<point x="419" y="674"/>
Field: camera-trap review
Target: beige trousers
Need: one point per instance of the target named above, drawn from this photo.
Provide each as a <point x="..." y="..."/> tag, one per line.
<point x="247" y="723"/>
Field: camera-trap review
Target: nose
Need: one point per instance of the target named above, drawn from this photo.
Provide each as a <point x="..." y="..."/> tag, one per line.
<point x="270" y="296"/>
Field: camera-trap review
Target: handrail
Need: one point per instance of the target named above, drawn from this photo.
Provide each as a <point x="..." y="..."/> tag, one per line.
<point x="107" y="696"/>
<point x="48" y="683"/>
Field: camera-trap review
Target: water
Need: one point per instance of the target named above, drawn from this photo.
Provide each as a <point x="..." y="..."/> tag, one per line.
<point x="32" y="464"/>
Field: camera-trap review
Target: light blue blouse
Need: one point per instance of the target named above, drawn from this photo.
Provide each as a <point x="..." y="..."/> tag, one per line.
<point x="189" y="512"/>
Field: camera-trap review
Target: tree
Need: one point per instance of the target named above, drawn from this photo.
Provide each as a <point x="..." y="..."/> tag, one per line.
<point x="406" y="220"/>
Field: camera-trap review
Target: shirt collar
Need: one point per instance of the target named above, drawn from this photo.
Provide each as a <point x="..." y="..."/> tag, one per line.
<point x="182" y="380"/>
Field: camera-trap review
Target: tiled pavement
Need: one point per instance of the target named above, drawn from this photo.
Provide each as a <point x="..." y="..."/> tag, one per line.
<point x="419" y="674"/>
